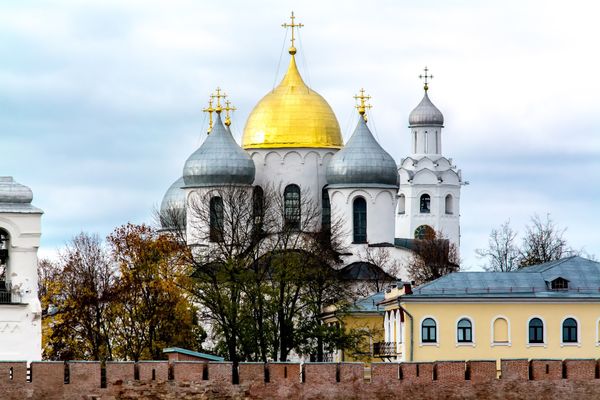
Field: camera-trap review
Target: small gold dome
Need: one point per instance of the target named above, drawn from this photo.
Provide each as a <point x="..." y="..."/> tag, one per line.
<point x="292" y="115"/>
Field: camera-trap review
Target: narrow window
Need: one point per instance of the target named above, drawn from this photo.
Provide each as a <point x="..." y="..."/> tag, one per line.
<point x="4" y="246"/>
<point x="401" y="204"/>
<point x="569" y="331"/>
<point x="415" y="142"/>
<point x="536" y="331"/>
<point x="428" y="331"/>
<point x="449" y="205"/>
<point x="464" y="331"/>
<point x="326" y="211"/>
<point x="425" y="204"/>
<point x="359" y="211"/>
<point x="291" y="207"/>
<point x="426" y="142"/>
<point x="216" y="219"/>
<point x="258" y="208"/>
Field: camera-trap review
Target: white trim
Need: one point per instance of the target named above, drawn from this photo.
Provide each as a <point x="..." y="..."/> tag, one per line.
<point x="493" y="342"/>
<point x="597" y="332"/>
<point x="544" y="332"/>
<point x="472" y="342"/>
<point x="437" y="331"/>
<point x="570" y="344"/>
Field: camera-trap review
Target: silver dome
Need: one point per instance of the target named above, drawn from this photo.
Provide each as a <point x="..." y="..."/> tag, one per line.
<point x="425" y="114"/>
<point x="218" y="161"/>
<point x="173" y="205"/>
<point x="362" y="161"/>
<point x="13" y="192"/>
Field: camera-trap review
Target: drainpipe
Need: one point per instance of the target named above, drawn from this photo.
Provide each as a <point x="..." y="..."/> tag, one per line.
<point x="412" y="340"/>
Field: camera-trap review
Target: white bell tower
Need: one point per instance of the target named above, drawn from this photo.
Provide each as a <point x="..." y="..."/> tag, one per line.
<point x="429" y="194"/>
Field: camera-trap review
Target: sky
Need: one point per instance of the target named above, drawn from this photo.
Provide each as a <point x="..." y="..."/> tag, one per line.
<point x="100" y="100"/>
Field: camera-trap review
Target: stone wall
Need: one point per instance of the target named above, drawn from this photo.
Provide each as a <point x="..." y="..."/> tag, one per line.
<point x="518" y="379"/>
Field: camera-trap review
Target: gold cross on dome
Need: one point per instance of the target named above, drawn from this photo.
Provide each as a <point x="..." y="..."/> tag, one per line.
<point x="362" y="106"/>
<point x="218" y="95"/>
<point x="209" y="110"/>
<point x="425" y="77"/>
<point x="292" y="25"/>
<point x="228" y="107"/>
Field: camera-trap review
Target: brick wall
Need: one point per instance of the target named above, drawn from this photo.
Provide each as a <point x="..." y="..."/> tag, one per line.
<point x="523" y="379"/>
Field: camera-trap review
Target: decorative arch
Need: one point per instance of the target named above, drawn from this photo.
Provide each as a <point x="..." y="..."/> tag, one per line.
<point x="401" y="203"/>
<point x="449" y="204"/>
<point x="291" y="155"/>
<point x="312" y="153"/>
<point x="500" y="330"/>
<point x="425" y="203"/>
<point x="384" y="193"/>
<point x="273" y="155"/>
<point x="360" y="192"/>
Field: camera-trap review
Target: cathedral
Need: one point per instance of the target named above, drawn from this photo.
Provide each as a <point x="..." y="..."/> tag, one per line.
<point x="292" y="141"/>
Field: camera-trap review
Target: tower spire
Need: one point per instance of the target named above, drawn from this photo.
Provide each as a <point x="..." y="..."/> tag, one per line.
<point x="425" y="77"/>
<point x="228" y="107"/>
<point x="292" y="25"/>
<point x="362" y="106"/>
<point x="209" y="110"/>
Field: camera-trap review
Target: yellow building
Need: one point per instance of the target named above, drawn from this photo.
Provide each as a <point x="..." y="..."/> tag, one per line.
<point x="364" y="318"/>
<point x="550" y="310"/>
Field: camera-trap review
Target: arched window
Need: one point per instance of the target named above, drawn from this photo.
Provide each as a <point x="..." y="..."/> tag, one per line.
<point x="4" y="246"/>
<point x="291" y="207"/>
<point x="428" y="331"/>
<point x="536" y="331"/>
<point x="216" y="219"/>
<point x="449" y="205"/>
<point x="326" y="211"/>
<point x="425" y="204"/>
<point x="415" y="142"/>
<point x="359" y="212"/>
<point x="464" y="331"/>
<point x="569" y="331"/>
<point x="258" y="207"/>
<point x="424" y="232"/>
<point x="426" y="142"/>
<point x="500" y="330"/>
<point x="401" y="204"/>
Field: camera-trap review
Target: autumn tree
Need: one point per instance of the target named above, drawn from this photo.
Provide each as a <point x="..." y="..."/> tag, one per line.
<point x="433" y="257"/>
<point x="80" y="286"/>
<point x="151" y="311"/>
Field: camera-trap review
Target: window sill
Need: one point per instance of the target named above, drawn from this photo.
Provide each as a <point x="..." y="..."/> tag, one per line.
<point x="433" y="344"/>
<point x="574" y="344"/>
<point x="537" y="345"/>
<point x="494" y="344"/>
<point x="465" y="344"/>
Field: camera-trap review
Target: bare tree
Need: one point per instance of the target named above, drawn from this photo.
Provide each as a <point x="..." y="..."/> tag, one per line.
<point x="502" y="253"/>
<point x="384" y="270"/>
<point x="543" y="241"/>
<point x="434" y="257"/>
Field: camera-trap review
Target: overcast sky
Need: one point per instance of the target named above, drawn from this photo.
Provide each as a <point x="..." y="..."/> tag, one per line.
<point x="100" y="101"/>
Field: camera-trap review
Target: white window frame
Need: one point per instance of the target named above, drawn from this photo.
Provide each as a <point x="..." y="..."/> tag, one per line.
<point x="597" y="332"/>
<point x="437" y="332"/>
<point x="467" y="344"/>
<point x="493" y="342"/>
<point x="570" y="344"/>
<point x="545" y="332"/>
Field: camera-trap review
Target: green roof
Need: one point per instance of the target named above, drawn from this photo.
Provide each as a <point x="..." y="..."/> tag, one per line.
<point x="192" y="353"/>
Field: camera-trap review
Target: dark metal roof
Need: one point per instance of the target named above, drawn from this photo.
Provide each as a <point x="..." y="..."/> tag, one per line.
<point x="361" y="270"/>
<point x="583" y="276"/>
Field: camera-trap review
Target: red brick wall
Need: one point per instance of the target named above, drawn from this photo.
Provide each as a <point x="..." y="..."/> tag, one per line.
<point x="321" y="381"/>
<point x="188" y="371"/>
<point x="515" y="369"/>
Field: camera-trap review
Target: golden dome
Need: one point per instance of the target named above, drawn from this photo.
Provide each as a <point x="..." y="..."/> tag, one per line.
<point x="292" y="115"/>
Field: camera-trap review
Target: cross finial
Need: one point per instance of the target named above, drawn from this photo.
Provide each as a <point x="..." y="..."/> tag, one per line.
<point x="209" y="110"/>
<point x="425" y="77"/>
<point x="362" y="106"/>
<point x="218" y="95"/>
<point x="292" y="25"/>
<point x="228" y="107"/>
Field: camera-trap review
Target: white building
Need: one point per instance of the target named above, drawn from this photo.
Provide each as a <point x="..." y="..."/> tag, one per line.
<point x="292" y="141"/>
<point x="20" y="310"/>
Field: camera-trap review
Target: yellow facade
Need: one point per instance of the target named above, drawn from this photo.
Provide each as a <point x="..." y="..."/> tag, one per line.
<point x="371" y="323"/>
<point x="500" y="329"/>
